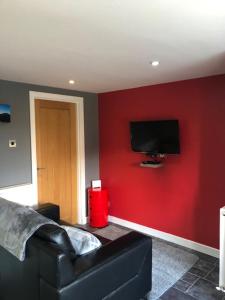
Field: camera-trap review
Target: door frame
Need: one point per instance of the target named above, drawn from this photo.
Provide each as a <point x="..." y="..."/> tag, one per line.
<point x="79" y="107"/>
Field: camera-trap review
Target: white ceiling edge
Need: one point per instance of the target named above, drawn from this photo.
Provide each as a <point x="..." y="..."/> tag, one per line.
<point x="102" y="91"/>
<point x="108" y="45"/>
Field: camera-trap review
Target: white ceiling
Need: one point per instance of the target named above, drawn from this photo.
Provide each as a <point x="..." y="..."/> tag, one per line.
<point x="107" y="45"/>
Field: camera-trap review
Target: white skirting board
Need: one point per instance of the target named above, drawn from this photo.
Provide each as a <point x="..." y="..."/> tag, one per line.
<point x="166" y="236"/>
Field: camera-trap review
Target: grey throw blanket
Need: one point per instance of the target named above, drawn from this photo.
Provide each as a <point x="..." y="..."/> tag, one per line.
<point x="17" y="224"/>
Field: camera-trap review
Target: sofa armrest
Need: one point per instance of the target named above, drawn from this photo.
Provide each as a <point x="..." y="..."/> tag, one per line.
<point x="120" y="269"/>
<point x="55" y="267"/>
<point x="114" y="251"/>
<point x="48" y="210"/>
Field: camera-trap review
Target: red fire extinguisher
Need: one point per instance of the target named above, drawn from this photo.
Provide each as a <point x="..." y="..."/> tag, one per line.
<point x="98" y="207"/>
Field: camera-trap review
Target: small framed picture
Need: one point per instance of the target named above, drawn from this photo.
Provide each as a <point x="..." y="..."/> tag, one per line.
<point x="5" y="113"/>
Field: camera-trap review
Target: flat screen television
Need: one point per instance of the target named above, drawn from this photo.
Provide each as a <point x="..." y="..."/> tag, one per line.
<point x="155" y="137"/>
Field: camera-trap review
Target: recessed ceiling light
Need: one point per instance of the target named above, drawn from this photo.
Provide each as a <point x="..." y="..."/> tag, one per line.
<point x="71" y="81"/>
<point x="155" y="63"/>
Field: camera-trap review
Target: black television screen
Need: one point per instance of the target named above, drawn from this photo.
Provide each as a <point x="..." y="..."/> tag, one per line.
<point x="155" y="137"/>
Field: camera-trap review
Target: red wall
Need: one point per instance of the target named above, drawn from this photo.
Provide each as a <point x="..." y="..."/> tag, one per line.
<point x="183" y="197"/>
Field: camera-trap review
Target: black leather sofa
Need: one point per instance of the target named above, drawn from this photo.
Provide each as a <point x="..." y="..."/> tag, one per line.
<point x="119" y="270"/>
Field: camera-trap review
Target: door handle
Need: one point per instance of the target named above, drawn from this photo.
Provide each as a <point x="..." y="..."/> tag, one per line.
<point x="41" y="169"/>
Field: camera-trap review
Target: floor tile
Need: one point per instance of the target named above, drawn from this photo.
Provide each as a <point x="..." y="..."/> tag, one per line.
<point x="174" y="294"/>
<point x="205" y="257"/>
<point x="198" y="272"/>
<point x="205" y="290"/>
<point x="189" y="277"/>
<point x="181" y="285"/>
<point x="213" y="276"/>
<point x="86" y="227"/>
<point x="204" y="265"/>
<point x="120" y="226"/>
<point x="111" y="232"/>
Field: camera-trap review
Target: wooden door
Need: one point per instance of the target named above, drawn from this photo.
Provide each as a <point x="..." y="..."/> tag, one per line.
<point x="56" y="156"/>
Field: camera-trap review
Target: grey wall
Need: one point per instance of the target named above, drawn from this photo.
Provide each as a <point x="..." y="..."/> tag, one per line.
<point x="15" y="163"/>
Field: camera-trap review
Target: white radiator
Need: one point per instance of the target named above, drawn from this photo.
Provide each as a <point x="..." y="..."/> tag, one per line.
<point x="222" y="250"/>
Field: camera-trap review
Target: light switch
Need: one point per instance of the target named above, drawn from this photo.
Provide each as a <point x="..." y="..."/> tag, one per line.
<point x="12" y="143"/>
<point x="96" y="184"/>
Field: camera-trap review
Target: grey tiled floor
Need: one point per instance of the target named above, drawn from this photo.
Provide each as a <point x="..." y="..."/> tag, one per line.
<point x="199" y="283"/>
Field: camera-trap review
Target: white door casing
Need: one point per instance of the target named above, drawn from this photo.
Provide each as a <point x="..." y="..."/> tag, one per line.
<point x="81" y="201"/>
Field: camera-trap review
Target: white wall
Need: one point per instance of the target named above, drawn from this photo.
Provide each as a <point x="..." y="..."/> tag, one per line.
<point x="22" y="194"/>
